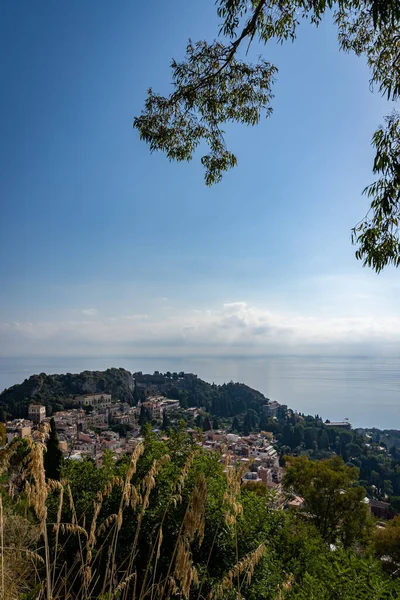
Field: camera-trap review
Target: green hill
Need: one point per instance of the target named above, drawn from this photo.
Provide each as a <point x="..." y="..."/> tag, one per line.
<point x="58" y="391"/>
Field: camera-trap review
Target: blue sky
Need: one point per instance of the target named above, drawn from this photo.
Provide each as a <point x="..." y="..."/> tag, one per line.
<point x="108" y="249"/>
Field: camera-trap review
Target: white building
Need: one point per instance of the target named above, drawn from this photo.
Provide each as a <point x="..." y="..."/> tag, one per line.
<point x="157" y="405"/>
<point x="18" y="428"/>
<point x="36" y="413"/>
<point x="95" y="400"/>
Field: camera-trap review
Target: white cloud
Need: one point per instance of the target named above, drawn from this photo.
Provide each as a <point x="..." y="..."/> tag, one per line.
<point x="136" y="317"/>
<point x="235" y="305"/>
<point x="89" y="312"/>
<point x="233" y="328"/>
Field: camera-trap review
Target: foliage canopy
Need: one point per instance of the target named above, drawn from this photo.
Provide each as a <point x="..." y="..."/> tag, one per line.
<point x="332" y="499"/>
<point x="214" y="85"/>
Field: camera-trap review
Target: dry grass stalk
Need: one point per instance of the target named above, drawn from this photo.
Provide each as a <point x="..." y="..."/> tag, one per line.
<point x="36" y="480"/>
<point x="73" y="528"/>
<point x="148" y="485"/>
<point x="57" y="526"/>
<point x="2" y="545"/>
<point x="182" y="574"/>
<point x="149" y="481"/>
<point x="53" y="485"/>
<point x="174" y="499"/>
<point x="38" y="492"/>
<point x="193" y="526"/>
<point x="130" y="496"/>
<point x="106" y="524"/>
<point x="233" y="488"/>
<point x="159" y="543"/>
<point x="194" y="519"/>
<point x="7" y="453"/>
<point x="18" y="561"/>
<point x="245" y="567"/>
<point x="286" y="586"/>
<point x="71" y="503"/>
<point x="92" y="534"/>
<point x="122" y="585"/>
<point x="185" y="472"/>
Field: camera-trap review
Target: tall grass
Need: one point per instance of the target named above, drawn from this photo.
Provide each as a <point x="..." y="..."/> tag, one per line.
<point x="97" y="570"/>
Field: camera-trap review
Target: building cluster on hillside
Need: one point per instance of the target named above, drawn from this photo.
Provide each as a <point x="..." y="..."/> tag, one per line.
<point x="97" y="421"/>
<point x="274" y="409"/>
<point x="254" y="452"/>
<point x="157" y="405"/>
<point x="90" y="429"/>
<point x="86" y="430"/>
<point x="23" y="428"/>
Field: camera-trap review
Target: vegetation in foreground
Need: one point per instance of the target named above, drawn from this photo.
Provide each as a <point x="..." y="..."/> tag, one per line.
<point x="233" y="407"/>
<point x="173" y="521"/>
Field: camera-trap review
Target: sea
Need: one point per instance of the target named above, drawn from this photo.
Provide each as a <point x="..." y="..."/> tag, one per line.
<point x="365" y="390"/>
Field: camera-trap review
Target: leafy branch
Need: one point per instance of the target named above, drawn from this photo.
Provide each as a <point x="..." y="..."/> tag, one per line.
<point x="213" y="86"/>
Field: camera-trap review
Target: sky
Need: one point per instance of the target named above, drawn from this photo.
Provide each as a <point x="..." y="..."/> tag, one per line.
<point x="108" y="249"/>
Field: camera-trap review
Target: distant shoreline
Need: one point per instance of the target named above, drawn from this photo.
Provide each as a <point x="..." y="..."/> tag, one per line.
<point x="364" y="389"/>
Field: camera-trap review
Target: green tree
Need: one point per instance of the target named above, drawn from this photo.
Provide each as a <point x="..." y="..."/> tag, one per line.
<point x="206" y="423"/>
<point x="263" y="425"/>
<point x="214" y="85"/>
<point x="235" y="425"/>
<point x="199" y="420"/>
<point x="3" y="434"/>
<point x="352" y="450"/>
<point x="345" y="438"/>
<point x="395" y="503"/>
<point x="375" y="479"/>
<point x="137" y="396"/>
<point x="323" y="441"/>
<point x="387" y="541"/>
<point x="166" y="422"/>
<point x="183" y="403"/>
<point x="332" y="500"/>
<point x="144" y="416"/>
<point x="298" y="435"/>
<point x="310" y="436"/>
<point x="287" y="435"/>
<point x="388" y="487"/>
<point x="53" y="458"/>
<point x="340" y="575"/>
<point x="251" y="420"/>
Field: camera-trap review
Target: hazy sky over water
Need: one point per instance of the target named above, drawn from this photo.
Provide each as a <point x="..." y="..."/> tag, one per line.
<point x="107" y="249"/>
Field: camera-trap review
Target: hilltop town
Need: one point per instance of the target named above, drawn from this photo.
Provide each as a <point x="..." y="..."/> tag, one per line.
<point x="100" y="422"/>
<point x="113" y="408"/>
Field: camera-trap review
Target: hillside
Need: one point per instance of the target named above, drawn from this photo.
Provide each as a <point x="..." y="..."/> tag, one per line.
<point x="57" y="391"/>
<point x="227" y="400"/>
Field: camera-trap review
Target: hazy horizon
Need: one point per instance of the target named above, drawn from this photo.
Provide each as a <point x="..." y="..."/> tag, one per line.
<point x="111" y="249"/>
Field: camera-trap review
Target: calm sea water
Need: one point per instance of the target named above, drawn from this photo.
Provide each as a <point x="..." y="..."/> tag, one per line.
<point x="365" y="390"/>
